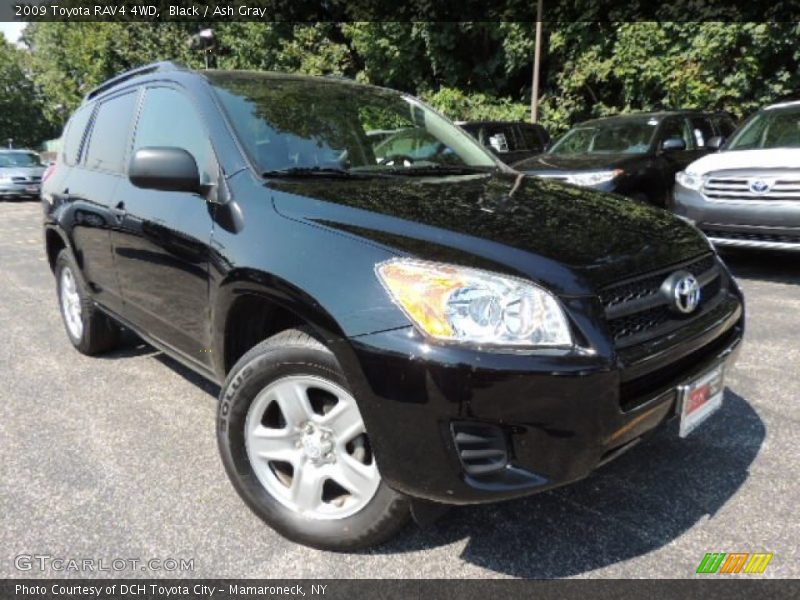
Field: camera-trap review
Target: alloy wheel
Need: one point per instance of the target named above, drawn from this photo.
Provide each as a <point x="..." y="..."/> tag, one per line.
<point x="307" y="444"/>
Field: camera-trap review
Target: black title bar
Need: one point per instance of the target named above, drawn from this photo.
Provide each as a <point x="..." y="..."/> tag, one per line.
<point x="391" y="10"/>
<point x="708" y="588"/>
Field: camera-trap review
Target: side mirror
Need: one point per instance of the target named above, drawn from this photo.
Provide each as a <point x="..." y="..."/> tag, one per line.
<point x="165" y="169"/>
<point x="715" y="143"/>
<point x="673" y="145"/>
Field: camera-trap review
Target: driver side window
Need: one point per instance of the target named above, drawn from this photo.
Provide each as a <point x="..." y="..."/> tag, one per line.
<point x="168" y="118"/>
<point x="677" y="129"/>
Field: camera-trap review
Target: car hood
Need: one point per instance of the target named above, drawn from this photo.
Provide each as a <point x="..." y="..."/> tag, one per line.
<point x="729" y="160"/>
<point x="544" y="163"/>
<point x="570" y="238"/>
<point x="22" y="171"/>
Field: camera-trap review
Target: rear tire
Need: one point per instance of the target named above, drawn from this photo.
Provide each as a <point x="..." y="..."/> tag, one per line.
<point x="294" y="446"/>
<point x="89" y="330"/>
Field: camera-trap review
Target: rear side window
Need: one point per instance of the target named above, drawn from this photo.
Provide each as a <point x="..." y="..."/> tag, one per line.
<point x="725" y="126"/>
<point x="500" y="138"/>
<point x="169" y="118"/>
<point x="702" y="130"/>
<point x="531" y="139"/>
<point x="74" y="134"/>
<point x="109" y="139"/>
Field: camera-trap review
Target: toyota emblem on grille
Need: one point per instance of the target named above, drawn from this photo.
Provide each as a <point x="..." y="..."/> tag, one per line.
<point x="760" y="186"/>
<point x="685" y="292"/>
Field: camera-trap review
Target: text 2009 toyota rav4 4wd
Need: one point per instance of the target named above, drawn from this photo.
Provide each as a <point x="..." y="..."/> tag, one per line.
<point x="387" y="332"/>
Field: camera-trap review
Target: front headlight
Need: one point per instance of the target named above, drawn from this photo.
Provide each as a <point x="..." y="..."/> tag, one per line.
<point x="689" y="180"/>
<point x="459" y="304"/>
<point x="5" y="179"/>
<point x="593" y="177"/>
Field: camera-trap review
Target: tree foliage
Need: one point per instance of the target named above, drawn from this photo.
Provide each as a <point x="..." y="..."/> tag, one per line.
<point x="21" y="104"/>
<point x="467" y="70"/>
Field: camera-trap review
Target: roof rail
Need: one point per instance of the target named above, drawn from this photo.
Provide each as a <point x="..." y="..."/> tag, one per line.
<point x="144" y="70"/>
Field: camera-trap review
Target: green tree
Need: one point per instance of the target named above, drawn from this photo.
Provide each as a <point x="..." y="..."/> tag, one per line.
<point x="592" y="66"/>
<point x="22" y="115"/>
<point x="69" y="59"/>
<point x="315" y="49"/>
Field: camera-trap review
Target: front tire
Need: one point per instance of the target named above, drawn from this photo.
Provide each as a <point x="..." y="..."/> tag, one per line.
<point x="89" y="330"/>
<point x="295" y="447"/>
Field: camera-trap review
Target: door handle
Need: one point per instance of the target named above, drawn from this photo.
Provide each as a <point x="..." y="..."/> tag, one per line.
<point x="119" y="212"/>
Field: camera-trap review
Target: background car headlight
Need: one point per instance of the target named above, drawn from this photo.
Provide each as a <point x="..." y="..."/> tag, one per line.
<point x="594" y="177"/>
<point x="690" y="181"/>
<point x="469" y="305"/>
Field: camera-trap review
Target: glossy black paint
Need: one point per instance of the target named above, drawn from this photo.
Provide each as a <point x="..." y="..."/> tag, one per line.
<point x="164" y="169"/>
<point x="647" y="177"/>
<point x="173" y="266"/>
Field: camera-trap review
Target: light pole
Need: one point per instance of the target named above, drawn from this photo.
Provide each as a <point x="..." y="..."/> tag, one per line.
<point x="207" y="35"/>
<point x="203" y="40"/>
<point x="536" y="61"/>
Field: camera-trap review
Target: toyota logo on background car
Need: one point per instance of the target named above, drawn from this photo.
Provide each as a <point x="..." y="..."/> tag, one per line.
<point x="760" y="186"/>
<point x="685" y="293"/>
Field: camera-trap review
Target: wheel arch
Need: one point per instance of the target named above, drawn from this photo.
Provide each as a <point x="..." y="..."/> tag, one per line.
<point x="55" y="242"/>
<point x="251" y="306"/>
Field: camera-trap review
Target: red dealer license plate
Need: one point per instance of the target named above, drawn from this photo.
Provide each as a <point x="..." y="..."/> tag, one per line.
<point x="700" y="398"/>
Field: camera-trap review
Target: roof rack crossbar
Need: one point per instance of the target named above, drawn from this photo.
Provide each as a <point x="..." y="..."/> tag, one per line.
<point x="143" y="70"/>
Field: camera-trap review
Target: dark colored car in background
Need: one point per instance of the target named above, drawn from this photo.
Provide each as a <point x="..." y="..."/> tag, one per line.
<point x="386" y="336"/>
<point x="510" y="141"/>
<point x="636" y="155"/>
<point x="20" y="174"/>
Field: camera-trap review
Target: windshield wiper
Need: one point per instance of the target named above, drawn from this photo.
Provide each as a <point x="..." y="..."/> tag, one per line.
<point x="439" y="170"/>
<point x="308" y="172"/>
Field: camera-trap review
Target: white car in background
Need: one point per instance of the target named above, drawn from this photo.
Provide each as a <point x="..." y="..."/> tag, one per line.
<point x="748" y="194"/>
<point x="20" y="174"/>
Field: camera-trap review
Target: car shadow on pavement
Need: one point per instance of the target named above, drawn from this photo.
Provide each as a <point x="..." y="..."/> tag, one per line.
<point x="777" y="267"/>
<point x="638" y="503"/>
<point x="204" y="384"/>
<point x="132" y="345"/>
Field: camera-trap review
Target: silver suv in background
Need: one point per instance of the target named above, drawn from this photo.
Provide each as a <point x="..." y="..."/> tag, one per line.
<point x="748" y="194"/>
<point x="20" y="174"/>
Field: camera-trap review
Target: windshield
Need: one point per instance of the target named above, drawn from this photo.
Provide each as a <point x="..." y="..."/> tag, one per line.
<point x="772" y="128"/>
<point x="304" y="124"/>
<point x="19" y="159"/>
<point x="618" y="136"/>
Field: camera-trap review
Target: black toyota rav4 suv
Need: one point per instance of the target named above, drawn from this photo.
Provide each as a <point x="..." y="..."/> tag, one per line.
<point x="390" y="334"/>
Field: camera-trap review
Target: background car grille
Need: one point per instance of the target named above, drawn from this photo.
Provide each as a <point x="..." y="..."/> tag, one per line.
<point x="753" y="236"/>
<point x="638" y="309"/>
<point x="724" y="187"/>
<point x="554" y="177"/>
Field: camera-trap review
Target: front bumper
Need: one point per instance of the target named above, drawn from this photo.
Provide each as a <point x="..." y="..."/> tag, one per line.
<point x="609" y="186"/>
<point x="767" y="224"/>
<point x="561" y="416"/>
<point x="14" y="190"/>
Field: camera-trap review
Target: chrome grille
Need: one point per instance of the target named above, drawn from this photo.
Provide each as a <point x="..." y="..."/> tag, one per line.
<point x="753" y="236"/>
<point x="638" y="310"/>
<point x="781" y="186"/>
<point x="554" y="177"/>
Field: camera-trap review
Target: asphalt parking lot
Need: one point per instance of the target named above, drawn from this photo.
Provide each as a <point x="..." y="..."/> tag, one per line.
<point x="115" y="457"/>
